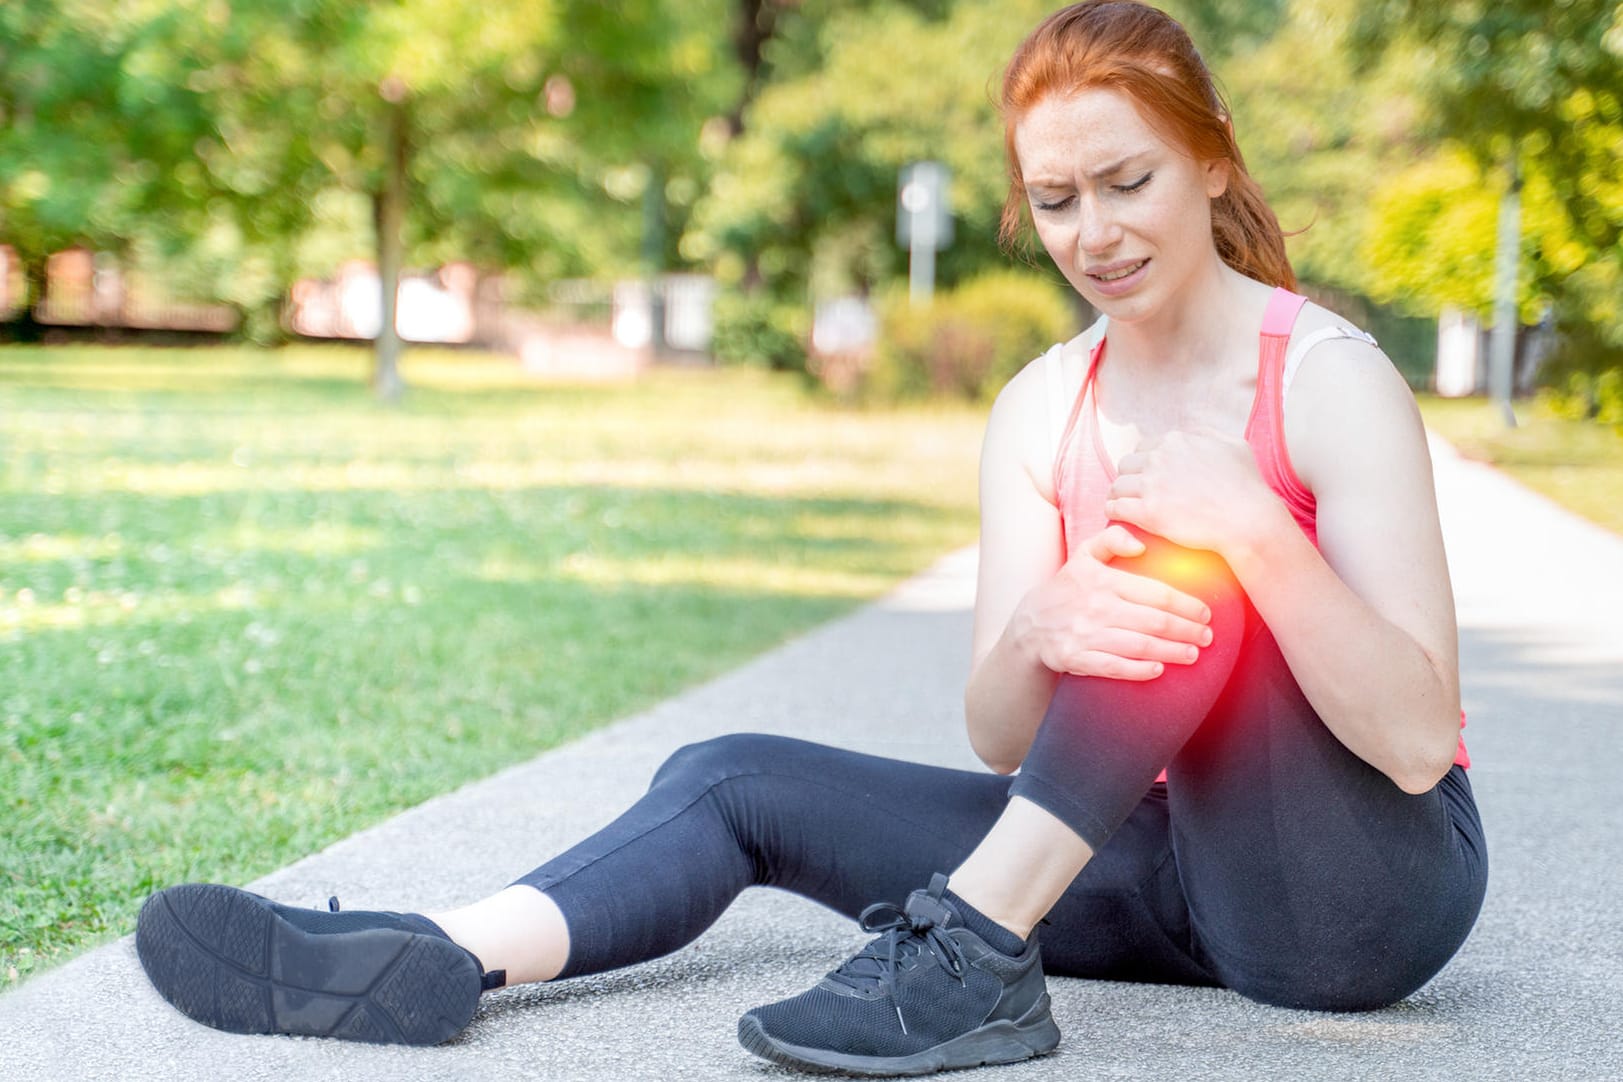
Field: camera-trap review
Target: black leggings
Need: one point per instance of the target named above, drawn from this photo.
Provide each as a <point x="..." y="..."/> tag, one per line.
<point x="1272" y="861"/>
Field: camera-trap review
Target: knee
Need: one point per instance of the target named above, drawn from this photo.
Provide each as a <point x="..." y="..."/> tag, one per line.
<point x="1198" y="572"/>
<point x="708" y="762"/>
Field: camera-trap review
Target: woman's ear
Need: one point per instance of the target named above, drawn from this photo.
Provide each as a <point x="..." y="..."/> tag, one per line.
<point x="1217" y="177"/>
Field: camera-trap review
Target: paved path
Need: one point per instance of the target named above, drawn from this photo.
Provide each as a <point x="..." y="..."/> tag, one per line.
<point x="1537" y="992"/>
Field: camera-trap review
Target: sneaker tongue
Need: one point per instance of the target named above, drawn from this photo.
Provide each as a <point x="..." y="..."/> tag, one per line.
<point x="928" y="906"/>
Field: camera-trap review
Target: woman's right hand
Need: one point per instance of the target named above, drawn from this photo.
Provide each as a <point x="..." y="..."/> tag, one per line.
<point x="1092" y="619"/>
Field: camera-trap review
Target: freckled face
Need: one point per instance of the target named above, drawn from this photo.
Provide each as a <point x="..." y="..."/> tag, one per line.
<point x="1125" y="215"/>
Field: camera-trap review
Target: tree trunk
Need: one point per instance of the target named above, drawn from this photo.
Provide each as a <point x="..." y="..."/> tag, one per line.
<point x="653" y="255"/>
<point x="757" y="20"/>
<point x="27" y="327"/>
<point x="1502" y="343"/>
<point x="388" y="214"/>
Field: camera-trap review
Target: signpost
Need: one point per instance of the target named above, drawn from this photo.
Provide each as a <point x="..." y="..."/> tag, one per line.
<point x="1502" y="342"/>
<point x="923" y="223"/>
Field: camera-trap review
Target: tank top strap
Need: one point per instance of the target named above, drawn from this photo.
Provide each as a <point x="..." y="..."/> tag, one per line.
<point x="1265" y="429"/>
<point x="1092" y="340"/>
<point x="1267" y="414"/>
<point x="1281" y="314"/>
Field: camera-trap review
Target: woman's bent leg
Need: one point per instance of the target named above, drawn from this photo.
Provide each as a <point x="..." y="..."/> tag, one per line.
<point x="1098" y="750"/>
<point x="1307" y="877"/>
<point x="1312" y="880"/>
<point x="1103" y="741"/>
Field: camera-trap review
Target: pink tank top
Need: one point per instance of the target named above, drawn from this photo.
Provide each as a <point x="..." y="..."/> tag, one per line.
<point x="1083" y="470"/>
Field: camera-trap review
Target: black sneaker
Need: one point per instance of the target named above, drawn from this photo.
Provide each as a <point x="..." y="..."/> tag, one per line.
<point x="927" y="995"/>
<point x="238" y="962"/>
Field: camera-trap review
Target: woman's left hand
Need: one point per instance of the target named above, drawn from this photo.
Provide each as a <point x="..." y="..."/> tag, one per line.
<point x="1198" y="488"/>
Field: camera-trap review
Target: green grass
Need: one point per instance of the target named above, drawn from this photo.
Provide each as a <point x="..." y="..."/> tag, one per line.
<point x="246" y="611"/>
<point x="1578" y="464"/>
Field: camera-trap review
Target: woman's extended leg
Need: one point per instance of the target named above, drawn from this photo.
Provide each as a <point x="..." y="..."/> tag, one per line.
<point x="519" y="932"/>
<point x="837" y="826"/>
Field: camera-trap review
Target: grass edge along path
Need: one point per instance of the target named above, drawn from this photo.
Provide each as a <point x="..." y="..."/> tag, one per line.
<point x="246" y="611"/>
<point x="1578" y="464"/>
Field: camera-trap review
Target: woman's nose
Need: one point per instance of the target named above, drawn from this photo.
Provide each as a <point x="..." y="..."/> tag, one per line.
<point x="1096" y="229"/>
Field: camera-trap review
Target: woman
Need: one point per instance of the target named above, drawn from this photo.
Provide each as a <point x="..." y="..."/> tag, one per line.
<point x="1267" y="618"/>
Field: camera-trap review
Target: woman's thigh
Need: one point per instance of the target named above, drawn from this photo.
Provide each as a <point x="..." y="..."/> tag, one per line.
<point x="1311" y="879"/>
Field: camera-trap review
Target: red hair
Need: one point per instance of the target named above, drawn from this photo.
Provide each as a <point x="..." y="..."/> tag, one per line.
<point x="1143" y="52"/>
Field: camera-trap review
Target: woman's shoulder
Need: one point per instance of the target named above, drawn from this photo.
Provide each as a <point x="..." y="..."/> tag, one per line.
<point x="1056" y="373"/>
<point x="1344" y="392"/>
<point x="1315" y="317"/>
<point x="1030" y="412"/>
<point x="1328" y="352"/>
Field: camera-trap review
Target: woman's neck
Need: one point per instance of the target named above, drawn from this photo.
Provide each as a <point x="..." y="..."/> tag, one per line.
<point x="1197" y="330"/>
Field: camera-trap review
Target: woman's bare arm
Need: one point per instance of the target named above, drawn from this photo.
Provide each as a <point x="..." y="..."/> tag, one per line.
<point x="1368" y="627"/>
<point x="1366" y="620"/>
<point x="1039" y="614"/>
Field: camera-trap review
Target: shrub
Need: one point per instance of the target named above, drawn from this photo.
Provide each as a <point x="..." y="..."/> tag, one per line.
<point x="753" y="328"/>
<point x="969" y="341"/>
<point x="1583" y="378"/>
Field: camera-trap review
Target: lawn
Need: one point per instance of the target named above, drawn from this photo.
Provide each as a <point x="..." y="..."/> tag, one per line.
<point x="1578" y="464"/>
<point x="247" y="611"/>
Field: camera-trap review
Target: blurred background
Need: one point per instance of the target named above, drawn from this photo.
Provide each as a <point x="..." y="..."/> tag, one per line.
<point x="580" y="183"/>
<point x="678" y="384"/>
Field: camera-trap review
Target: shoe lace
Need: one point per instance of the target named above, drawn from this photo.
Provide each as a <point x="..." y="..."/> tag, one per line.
<point x="901" y="935"/>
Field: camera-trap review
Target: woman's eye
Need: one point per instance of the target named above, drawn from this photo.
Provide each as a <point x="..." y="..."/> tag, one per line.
<point x="1059" y="204"/>
<point x="1135" y="185"/>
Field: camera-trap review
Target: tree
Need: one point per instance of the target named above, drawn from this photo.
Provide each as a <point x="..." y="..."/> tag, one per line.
<point x="855" y="91"/>
<point x="501" y="137"/>
<point x="88" y="131"/>
<point x="1535" y="88"/>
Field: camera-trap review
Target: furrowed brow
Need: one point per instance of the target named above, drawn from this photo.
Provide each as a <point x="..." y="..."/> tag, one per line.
<point x="1112" y="168"/>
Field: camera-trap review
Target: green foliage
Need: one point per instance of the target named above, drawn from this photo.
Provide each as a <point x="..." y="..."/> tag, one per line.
<point x="210" y="137"/>
<point x="967" y="342"/>
<point x="818" y="160"/>
<point x="1433" y="233"/>
<point x="1584" y="377"/>
<point x="1539" y="87"/>
<point x="755" y="329"/>
<point x="1587" y="396"/>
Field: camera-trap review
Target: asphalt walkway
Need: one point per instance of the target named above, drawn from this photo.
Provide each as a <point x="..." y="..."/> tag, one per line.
<point x="1536" y="993"/>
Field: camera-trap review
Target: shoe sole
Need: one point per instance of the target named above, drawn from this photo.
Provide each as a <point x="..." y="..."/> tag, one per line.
<point x="225" y="958"/>
<point x="1034" y="1034"/>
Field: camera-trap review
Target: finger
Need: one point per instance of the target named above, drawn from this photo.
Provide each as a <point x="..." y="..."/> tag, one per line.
<point x="1132" y="462"/>
<point x="1158" y="596"/>
<point x="1130" y="484"/>
<point x="1138" y="646"/>
<point x="1113" y="541"/>
<point x="1110" y="666"/>
<point x="1130" y="509"/>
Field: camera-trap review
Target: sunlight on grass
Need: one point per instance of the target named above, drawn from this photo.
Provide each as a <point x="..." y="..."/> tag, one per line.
<point x="702" y="571"/>
<point x="247" y="610"/>
<point x="1578" y="464"/>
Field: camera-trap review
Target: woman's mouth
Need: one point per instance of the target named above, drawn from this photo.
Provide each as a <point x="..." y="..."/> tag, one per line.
<point x="1118" y="279"/>
<point x="1117" y="274"/>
